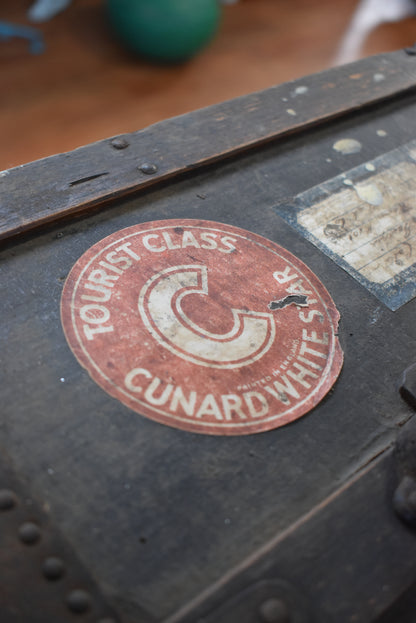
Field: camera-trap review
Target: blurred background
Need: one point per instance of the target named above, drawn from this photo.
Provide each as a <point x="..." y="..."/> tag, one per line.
<point x="86" y="86"/>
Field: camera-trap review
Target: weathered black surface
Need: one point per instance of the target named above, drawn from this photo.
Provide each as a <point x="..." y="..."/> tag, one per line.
<point x="156" y="514"/>
<point x="41" y="579"/>
<point x="331" y="560"/>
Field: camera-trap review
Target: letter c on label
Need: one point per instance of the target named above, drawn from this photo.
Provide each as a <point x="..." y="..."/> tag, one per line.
<point x="150" y="247"/>
<point x="128" y="381"/>
<point x="160" y="308"/>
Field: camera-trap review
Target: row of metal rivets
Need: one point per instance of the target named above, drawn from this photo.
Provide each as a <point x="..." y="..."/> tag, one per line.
<point x="78" y="601"/>
<point x="148" y="168"/>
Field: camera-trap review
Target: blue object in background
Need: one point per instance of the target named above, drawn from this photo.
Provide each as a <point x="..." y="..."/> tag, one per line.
<point x="36" y="43"/>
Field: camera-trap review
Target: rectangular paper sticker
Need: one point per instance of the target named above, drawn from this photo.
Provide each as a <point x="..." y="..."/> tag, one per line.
<point x="365" y="220"/>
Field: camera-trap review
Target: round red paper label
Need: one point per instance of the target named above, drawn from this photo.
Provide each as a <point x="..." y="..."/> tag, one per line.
<point x="202" y="326"/>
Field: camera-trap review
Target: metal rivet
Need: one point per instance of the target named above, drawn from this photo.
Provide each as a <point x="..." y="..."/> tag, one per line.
<point x="29" y="533"/>
<point x="274" y="611"/>
<point x="404" y="500"/>
<point x="408" y="385"/>
<point x="148" y="168"/>
<point x="53" y="568"/>
<point x="78" y="601"/>
<point x="119" y="143"/>
<point x="8" y="500"/>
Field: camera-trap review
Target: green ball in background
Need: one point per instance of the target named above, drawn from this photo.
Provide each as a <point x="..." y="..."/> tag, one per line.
<point x="164" y="30"/>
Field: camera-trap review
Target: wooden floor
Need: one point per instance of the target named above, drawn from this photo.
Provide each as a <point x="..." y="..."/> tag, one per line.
<point x="86" y="87"/>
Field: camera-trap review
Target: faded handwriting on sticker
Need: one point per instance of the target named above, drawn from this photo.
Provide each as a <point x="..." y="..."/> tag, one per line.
<point x="365" y="220"/>
<point x="371" y="225"/>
